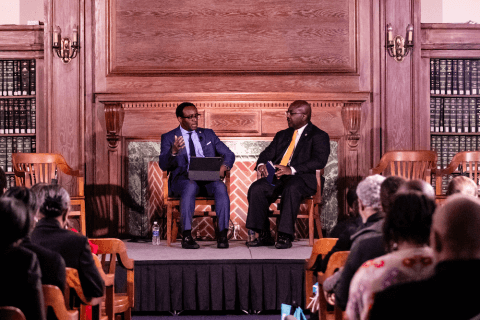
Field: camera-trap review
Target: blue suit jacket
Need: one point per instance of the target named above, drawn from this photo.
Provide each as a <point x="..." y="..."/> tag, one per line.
<point x="178" y="165"/>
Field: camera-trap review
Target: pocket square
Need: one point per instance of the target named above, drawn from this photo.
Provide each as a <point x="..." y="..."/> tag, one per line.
<point x="208" y="143"/>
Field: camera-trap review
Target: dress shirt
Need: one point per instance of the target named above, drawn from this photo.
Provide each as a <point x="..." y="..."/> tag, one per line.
<point x="196" y="143"/>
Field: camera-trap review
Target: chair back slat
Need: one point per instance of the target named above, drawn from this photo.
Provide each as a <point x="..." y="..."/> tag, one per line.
<point x="407" y="164"/>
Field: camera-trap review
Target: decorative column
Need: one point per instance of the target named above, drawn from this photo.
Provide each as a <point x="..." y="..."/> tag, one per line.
<point x="114" y="115"/>
<point x="351" y="117"/>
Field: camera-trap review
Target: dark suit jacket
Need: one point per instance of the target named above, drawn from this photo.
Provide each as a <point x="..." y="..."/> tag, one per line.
<point x="451" y="293"/>
<point x="51" y="264"/>
<point x="178" y="165"/>
<point x="311" y="152"/>
<point x="20" y="284"/>
<point x="74" y="249"/>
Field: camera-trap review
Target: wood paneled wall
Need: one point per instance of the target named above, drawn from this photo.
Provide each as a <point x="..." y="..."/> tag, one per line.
<point x="232" y="51"/>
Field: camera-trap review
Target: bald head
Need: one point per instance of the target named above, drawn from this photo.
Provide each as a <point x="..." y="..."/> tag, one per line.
<point x="303" y="107"/>
<point x="454" y="234"/>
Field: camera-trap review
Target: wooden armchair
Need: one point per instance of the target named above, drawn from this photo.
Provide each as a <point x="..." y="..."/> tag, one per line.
<point x="116" y="251"/>
<point x="11" y="313"/>
<point x="337" y="260"/>
<point x="173" y="207"/>
<point x="321" y="247"/>
<point x="418" y="164"/>
<point x="53" y="297"/>
<point x="72" y="283"/>
<point x="33" y="168"/>
<point x="464" y="163"/>
<point x="313" y="212"/>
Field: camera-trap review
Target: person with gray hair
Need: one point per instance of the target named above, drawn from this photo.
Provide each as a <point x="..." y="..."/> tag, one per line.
<point x="50" y="233"/>
<point x="463" y="185"/>
<point x="452" y="291"/>
<point x="370" y="210"/>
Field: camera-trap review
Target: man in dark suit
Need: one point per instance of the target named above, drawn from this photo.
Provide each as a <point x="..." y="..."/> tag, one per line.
<point x="452" y="292"/>
<point x="177" y="147"/>
<point x="296" y="152"/>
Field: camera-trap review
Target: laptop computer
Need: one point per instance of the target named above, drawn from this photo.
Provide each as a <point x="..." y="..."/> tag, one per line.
<point x="205" y="168"/>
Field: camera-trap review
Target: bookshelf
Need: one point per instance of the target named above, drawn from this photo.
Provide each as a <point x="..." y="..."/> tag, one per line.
<point x="451" y="54"/>
<point x="21" y="91"/>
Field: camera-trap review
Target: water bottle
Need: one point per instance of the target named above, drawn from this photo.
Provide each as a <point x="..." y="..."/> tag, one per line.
<point x="251" y="235"/>
<point x="155" y="234"/>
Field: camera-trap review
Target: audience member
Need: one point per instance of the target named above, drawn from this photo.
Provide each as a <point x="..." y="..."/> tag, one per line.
<point x="20" y="275"/>
<point x="452" y="292"/>
<point x="463" y="185"/>
<point x="3" y="182"/>
<point x="368" y="246"/>
<point x="370" y="209"/>
<point x="352" y="220"/>
<point x="52" y="264"/>
<point x="50" y="233"/>
<point x="406" y="231"/>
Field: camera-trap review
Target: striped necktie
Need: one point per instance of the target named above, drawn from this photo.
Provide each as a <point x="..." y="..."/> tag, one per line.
<point x="291" y="147"/>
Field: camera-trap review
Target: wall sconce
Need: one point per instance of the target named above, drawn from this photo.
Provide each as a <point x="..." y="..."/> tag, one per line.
<point x="65" y="49"/>
<point x="398" y="47"/>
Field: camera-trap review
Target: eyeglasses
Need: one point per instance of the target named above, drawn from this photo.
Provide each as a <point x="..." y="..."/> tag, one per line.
<point x="288" y="113"/>
<point x="193" y="116"/>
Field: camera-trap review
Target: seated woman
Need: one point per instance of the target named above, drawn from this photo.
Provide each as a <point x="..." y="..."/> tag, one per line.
<point x="20" y="275"/>
<point x="50" y="233"/>
<point x="406" y="233"/>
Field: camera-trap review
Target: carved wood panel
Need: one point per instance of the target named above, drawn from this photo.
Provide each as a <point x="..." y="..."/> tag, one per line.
<point x="249" y="36"/>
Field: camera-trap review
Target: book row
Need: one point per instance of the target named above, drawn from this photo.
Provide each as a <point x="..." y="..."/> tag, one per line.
<point x="17" y="77"/>
<point x="454" y="76"/>
<point x="448" y="146"/>
<point x="10" y="145"/>
<point x="456" y="115"/>
<point x="18" y="115"/>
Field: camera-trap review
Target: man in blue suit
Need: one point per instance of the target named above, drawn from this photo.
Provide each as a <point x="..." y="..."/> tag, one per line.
<point x="177" y="147"/>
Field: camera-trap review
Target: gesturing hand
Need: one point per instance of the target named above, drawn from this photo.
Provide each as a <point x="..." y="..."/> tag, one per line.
<point x="178" y="144"/>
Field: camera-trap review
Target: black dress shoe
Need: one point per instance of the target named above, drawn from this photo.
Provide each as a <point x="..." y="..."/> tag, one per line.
<point x="283" y="243"/>
<point x="262" y="241"/>
<point x="189" y="243"/>
<point x="222" y="242"/>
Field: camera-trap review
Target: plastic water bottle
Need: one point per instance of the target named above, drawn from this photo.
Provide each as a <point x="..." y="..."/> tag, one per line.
<point x="251" y="235"/>
<point x="155" y="234"/>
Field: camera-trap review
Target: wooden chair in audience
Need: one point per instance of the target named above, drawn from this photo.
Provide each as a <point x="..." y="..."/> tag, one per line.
<point x="110" y="252"/>
<point x="464" y="163"/>
<point x="53" y="298"/>
<point x="11" y="313"/>
<point x="173" y="207"/>
<point x="33" y="168"/>
<point x="313" y="209"/>
<point x="72" y="283"/>
<point x="321" y="247"/>
<point x="336" y="261"/>
<point x="419" y="164"/>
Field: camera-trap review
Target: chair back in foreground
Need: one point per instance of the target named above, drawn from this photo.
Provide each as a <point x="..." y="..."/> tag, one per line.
<point x="53" y="298"/>
<point x="337" y="260"/>
<point x="72" y="283"/>
<point x="111" y="251"/>
<point x="173" y="207"/>
<point x="33" y="168"/>
<point x="313" y="209"/>
<point x="11" y="313"/>
<point x="410" y="165"/>
<point x="321" y="247"/>
<point x="465" y="163"/>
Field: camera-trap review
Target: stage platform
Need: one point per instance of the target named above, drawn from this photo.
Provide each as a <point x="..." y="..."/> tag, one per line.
<point x="210" y="279"/>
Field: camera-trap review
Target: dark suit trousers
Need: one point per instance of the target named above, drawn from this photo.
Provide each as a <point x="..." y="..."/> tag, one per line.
<point x="187" y="190"/>
<point x="261" y="194"/>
